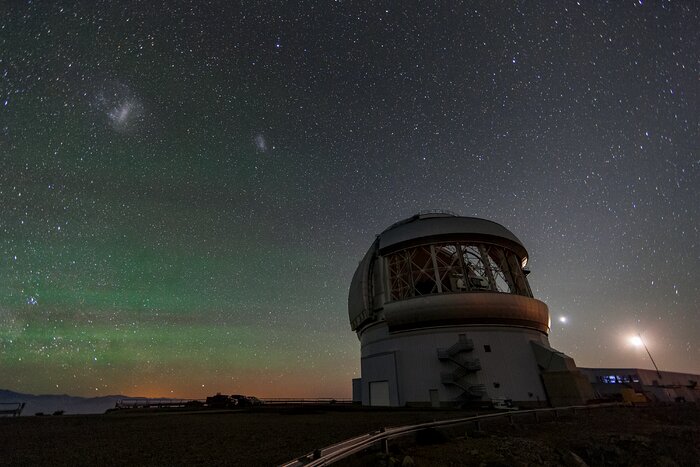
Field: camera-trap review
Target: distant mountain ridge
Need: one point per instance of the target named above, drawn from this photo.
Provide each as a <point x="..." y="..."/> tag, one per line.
<point x="50" y="403"/>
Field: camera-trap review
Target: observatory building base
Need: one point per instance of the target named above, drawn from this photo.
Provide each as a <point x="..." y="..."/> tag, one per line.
<point x="450" y="366"/>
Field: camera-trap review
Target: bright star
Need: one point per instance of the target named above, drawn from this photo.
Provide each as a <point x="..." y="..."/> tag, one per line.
<point x="636" y="341"/>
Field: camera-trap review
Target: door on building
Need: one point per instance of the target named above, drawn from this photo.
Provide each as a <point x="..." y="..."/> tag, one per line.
<point x="434" y="398"/>
<point x="379" y="393"/>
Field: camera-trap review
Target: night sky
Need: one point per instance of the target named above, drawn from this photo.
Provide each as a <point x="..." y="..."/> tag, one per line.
<point x="187" y="187"/>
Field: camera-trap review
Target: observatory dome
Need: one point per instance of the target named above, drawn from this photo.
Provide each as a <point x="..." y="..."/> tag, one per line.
<point x="445" y="316"/>
<point x="438" y="268"/>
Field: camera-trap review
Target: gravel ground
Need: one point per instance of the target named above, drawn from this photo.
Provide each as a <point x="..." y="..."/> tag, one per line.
<point x="649" y="436"/>
<point x="264" y="436"/>
<point x="664" y="436"/>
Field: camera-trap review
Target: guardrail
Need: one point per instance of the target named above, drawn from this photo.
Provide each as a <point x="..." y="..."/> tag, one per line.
<point x="142" y="403"/>
<point x="322" y="401"/>
<point x="339" y="451"/>
<point x="138" y="403"/>
<point x="12" y="408"/>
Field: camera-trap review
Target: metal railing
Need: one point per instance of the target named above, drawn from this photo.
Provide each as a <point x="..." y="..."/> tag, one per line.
<point x="322" y="401"/>
<point x="139" y="403"/>
<point x="339" y="451"/>
<point x="12" y="408"/>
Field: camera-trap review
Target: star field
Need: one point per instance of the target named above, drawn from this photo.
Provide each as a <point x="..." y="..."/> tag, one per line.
<point x="187" y="187"/>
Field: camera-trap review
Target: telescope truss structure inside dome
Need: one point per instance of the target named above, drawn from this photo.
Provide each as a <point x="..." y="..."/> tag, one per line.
<point x="455" y="267"/>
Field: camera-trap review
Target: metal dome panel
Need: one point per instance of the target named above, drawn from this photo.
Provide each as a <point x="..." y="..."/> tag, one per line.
<point x="430" y="226"/>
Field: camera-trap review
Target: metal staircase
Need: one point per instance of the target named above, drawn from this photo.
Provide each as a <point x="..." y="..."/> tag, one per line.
<point x="469" y="391"/>
<point x="465" y="366"/>
<point x="462" y="345"/>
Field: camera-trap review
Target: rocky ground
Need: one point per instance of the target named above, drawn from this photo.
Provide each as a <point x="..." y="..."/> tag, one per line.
<point x="261" y="436"/>
<point x="652" y="436"/>
<point x="664" y="436"/>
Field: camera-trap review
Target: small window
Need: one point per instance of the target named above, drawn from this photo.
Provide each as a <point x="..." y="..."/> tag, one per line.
<point x="487" y="348"/>
<point x="496" y="385"/>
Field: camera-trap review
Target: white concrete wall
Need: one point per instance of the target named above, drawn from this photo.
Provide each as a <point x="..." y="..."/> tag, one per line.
<point x="409" y="361"/>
